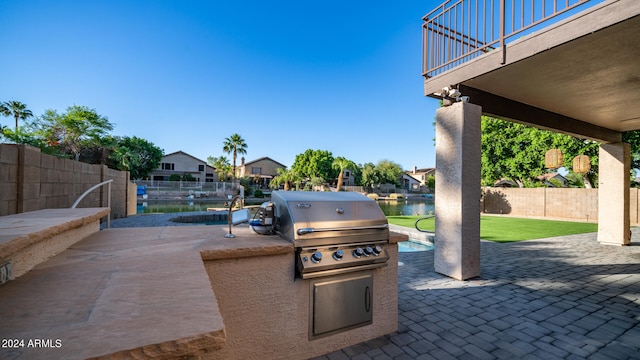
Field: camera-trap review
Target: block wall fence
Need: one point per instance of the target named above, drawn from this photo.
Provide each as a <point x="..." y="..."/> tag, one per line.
<point x="552" y="203"/>
<point x="33" y="181"/>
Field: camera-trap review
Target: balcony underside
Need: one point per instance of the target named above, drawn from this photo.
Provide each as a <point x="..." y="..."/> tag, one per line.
<point x="580" y="76"/>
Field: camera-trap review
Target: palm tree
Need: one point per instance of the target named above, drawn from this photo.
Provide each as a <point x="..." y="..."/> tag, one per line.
<point x="234" y="144"/>
<point x="287" y="177"/>
<point x="16" y="109"/>
<point x="341" y="164"/>
<point x="222" y="166"/>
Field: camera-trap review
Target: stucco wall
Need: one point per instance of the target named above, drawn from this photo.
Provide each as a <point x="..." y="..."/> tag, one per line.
<point x="556" y="203"/>
<point x="34" y="181"/>
<point x="265" y="309"/>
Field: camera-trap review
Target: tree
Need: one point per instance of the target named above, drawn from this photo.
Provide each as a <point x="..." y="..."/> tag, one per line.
<point x="234" y="144"/>
<point x="341" y="164"/>
<point x="286" y="177"/>
<point x="515" y="151"/>
<point x="314" y="164"/>
<point x="138" y="156"/>
<point x="16" y="109"/>
<point x="370" y="175"/>
<point x="633" y="139"/>
<point x="389" y="172"/>
<point x="222" y="166"/>
<point x="79" y="127"/>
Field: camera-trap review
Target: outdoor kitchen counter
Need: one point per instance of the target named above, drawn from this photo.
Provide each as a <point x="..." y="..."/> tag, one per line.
<point x="246" y="243"/>
<point x="144" y="292"/>
<point x="265" y="307"/>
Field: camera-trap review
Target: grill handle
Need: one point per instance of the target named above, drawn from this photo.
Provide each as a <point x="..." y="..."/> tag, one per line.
<point x="304" y="231"/>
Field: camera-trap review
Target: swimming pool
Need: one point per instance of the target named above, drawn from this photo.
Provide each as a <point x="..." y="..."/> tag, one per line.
<point x="414" y="246"/>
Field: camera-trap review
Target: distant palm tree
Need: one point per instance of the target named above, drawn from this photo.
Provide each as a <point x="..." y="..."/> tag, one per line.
<point x="341" y="164"/>
<point x="287" y="177"/>
<point x="16" y="109"/>
<point x="234" y="144"/>
<point x="222" y="166"/>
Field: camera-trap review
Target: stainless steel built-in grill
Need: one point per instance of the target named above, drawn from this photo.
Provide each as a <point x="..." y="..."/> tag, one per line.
<point x="333" y="232"/>
<point x="340" y="238"/>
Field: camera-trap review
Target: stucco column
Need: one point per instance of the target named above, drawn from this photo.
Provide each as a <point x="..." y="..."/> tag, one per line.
<point x="613" y="194"/>
<point x="457" y="198"/>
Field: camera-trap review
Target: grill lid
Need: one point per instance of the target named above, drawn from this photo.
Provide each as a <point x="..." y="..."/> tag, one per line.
<point x="315" y="218"/>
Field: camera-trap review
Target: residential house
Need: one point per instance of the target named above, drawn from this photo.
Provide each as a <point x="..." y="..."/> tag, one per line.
<point x="416" y="179"/>
<point x="505" y="183"/>
<point x="410" y="183"/>
<point x="181" y="163"/>
<point x="545" y="178"/>
<point x="348" y="178"/>
<point x="262" y="170"/>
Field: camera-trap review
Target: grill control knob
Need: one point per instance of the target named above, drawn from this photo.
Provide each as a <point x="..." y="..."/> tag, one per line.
<point x="358" y="252"/>
<point x="368" y="251"/>
<point x="316" y="257"/>
<point x="338" y="254"/>
<point x="377" y="250"/>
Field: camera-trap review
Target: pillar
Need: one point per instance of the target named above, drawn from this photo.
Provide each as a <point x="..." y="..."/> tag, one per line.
<point x="613" y="194"/>
<point x="457" y="195"/>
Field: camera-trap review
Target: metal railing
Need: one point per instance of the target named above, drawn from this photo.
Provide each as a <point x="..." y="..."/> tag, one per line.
<point x="456" y="32"/>
<point x="187" y="185"/>
<point x="108" y="183"/>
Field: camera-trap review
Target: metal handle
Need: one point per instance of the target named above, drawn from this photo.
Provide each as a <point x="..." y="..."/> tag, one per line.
<point x="304" y="231"/>
<point x="367" y="299"/>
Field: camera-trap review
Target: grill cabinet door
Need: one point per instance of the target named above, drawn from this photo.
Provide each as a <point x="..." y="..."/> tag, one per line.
<point x="341" y="303"/>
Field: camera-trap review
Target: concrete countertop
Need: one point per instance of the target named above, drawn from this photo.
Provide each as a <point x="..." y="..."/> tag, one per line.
<point x="127" y="292"/>
<point x="246" y="244"/>
<point x="18" y="231"/>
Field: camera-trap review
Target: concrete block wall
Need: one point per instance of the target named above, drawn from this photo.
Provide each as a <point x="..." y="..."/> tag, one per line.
<point x="513" y="201"/>
<point x="8" y="180"/>
<point x="553" y="203"/>
<point x="34" y="181"/>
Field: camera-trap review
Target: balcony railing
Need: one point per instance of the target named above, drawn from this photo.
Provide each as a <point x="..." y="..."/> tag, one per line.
<point x="458" y="31"/>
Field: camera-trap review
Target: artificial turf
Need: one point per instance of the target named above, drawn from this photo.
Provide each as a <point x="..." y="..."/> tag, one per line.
<point x="508" y="229"/>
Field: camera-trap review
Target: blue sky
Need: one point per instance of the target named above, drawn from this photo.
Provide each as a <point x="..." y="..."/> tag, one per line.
<point x="287" y="76"/>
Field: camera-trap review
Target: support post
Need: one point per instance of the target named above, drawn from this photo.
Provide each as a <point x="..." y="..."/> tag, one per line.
<point x="613" y="194"/>
<point x="457" y="198"/>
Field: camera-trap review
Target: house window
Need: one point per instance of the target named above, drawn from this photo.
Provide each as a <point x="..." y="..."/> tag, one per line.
<point x="200" y="167"/>
<point x="347" y="173"/>
<point x="168" y="166"/>
<point x="256" y="170"/>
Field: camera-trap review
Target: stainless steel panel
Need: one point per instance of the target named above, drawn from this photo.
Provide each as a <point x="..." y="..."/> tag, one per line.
<point x="322" y="261"/>
<point x="340" y="303"/>
<point x="320" y="218"/>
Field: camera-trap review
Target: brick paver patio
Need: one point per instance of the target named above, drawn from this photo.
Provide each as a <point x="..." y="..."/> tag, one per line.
<point x="558" y="298"/>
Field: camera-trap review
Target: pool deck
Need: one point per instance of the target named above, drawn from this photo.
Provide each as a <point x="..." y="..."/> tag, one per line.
<point x="559" y="298"/>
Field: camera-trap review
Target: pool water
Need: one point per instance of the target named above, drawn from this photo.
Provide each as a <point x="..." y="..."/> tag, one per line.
<point x="413" y="246"/>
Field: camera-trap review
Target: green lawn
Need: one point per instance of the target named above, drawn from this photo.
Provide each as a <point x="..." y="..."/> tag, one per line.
<point x="507" y="229"/>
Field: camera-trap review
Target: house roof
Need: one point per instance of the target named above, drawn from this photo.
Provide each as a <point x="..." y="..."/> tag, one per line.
<point x="264" y="158"/>
<point x="409" y="175"/>
<point x="549" y="176"/>
<point x="180" y="152"/>
<point x="420" y="171"/>
<point x="505" y="183"/>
